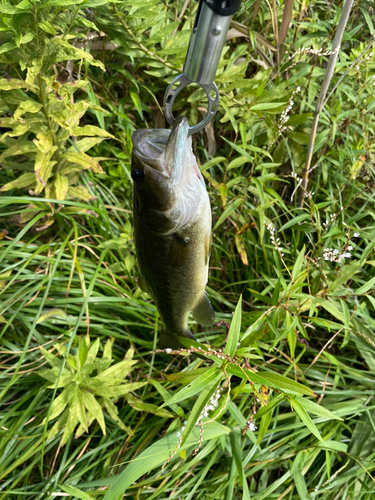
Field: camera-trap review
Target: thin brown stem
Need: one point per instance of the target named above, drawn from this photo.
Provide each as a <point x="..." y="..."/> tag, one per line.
<point x="326" y="81"/>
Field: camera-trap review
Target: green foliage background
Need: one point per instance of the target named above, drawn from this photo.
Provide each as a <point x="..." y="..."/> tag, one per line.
<point x="89" y="417"/>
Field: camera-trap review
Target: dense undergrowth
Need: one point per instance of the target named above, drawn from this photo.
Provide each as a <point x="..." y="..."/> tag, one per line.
<point x="85" y="399"/>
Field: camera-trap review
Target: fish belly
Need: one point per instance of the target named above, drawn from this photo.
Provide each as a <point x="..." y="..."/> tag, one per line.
<point x="174" y="269"/>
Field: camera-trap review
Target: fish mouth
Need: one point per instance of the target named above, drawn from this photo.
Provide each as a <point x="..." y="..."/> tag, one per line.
<point x="164" y="150"/>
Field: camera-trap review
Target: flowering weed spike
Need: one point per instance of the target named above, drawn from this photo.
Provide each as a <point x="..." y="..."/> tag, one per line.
<point x="285" y="114"/>
<point x="334" y="255"/>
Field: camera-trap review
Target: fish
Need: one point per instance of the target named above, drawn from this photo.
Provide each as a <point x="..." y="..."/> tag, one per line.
<point x="172" y="229"/>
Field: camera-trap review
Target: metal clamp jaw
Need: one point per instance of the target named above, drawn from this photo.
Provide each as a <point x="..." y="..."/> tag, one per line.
<point x="206" y="44"/>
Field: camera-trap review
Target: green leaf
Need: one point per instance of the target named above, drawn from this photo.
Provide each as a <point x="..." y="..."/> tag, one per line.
<point x="44" y="142"/>
<point x="61" y="185"/>
<point x="334" y="445"/>
<point x="6" y="47"/>
<point x="137" y="103"/>
<point x="60" y="50"/>
<point x="366" y="287"/>
<point x="212" y="162"/>
<point x="12" y="84"/>
<point x="53" y="374"/>
<point x="84" y="145"/>
<point x="330" y="307"/>
<point x="53" y="360"/>
<point x="43" y="168"/>
<point x="266" y="105"/>
<point x="301" y="412"/>
<point x="33" y="71"/>
<point x="80" y="192"/>
<point x="312" y="407"/>
<point x="227" y="212"/>
<point x="235" y="440"/>
<point x="107" y="352"/>
<point x="157" y="454"/>
<point x="55" y="429"/>
<point x="299" y="481"/>
<point x="58" y="405"/>
<point x="27" y="38"/>
<point x="200" y="403"/>
<point x="82" y="351"/>
<point x="234" y="331"/>
<point x="270" y="406"/>
<point x="138" y="404"/>
<point x="264" y="424"/>
<point x="166" y="396"/>
<point x="194" y="387"/>
<point x="84" y="160"/>
<point x="7" y="8"/>
<point x="346" y="273"/>
<point x="23" y="181"/>
<point x="121" y="390"/>
<point x="75" y="492"/>
<point x="231" y="117"/>
<point x="285" y="384"/>
<point x="19" y="148"/>
<point x="119" y="370"/>
<point x="113" y="412"/>
<point x="94" y="408"/>
<point x="91" y="130"/>
<point x="71" y="422"/>
<point x="59" y="3"/>
<point x="88" y="24"/>
<point x="295" y="221"/>
<point x="93" y="350"/>
<point x="47" y="27"/>
<point x="185" y="377"/>
<point x="81" y="412"/>
<point x="298" y="264"/>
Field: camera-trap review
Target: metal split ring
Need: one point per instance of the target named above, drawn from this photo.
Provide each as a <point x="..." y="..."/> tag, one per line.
<point x="171" y="94"/>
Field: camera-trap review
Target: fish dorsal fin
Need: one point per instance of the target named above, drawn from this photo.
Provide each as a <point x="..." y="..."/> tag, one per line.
<point x="204" y="313"/>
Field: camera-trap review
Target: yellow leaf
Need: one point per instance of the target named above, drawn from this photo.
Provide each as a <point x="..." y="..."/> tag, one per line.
<point x="61" y="186"/>
<point x="241" y="249"/>
<point x="84" y="160"/>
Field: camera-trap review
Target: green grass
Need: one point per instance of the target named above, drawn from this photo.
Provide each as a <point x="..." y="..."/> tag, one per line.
<point x="303" y="373"/>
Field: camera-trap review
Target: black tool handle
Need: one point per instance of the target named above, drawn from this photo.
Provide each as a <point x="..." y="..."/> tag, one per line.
<point x="223" y="7"/>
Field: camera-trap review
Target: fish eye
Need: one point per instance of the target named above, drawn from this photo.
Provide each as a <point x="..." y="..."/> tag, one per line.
<point x="137" y="174"/>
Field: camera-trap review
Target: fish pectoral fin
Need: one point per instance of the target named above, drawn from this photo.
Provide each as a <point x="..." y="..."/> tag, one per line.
<point x="170" y="341"/>
<point x="179" y="250"/>
<point x="204" y="313"/>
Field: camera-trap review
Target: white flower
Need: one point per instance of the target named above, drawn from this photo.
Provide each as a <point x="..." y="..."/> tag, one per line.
<point x="356" y="235"/>
<point x="168" y="350"/>
<point x="350" y="248"/>
<point x="252" y="427"/>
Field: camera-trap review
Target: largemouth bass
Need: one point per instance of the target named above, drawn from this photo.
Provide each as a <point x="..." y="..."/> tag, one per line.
<point x="172" y="229"/>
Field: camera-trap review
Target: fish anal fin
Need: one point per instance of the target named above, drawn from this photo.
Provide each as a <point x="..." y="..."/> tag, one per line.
<point x="204" y="313"/>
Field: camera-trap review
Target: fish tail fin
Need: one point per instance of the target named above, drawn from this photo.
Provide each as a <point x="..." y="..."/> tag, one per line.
<point x="168" y="340"/>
